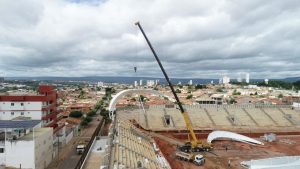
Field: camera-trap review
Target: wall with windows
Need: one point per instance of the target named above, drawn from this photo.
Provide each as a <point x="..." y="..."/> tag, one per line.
<point x="10" y="110"/>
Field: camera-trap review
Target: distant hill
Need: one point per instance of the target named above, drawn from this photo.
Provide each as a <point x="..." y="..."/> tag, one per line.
<point x="291" y="79"/>
<point x="111" y="79"/>
<point x="130" y="80"/>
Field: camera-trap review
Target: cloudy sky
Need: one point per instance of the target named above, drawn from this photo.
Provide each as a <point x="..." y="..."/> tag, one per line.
<point x="194" y="38"/>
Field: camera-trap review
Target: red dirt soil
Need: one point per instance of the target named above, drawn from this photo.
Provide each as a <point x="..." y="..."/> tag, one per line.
<point x="235" y="153"/>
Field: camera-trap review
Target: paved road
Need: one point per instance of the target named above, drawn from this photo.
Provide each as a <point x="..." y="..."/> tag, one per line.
<point x="68" y="156"/>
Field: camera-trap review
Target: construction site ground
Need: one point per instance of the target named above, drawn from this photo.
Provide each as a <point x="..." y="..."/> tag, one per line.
<point x="236" y="152"/>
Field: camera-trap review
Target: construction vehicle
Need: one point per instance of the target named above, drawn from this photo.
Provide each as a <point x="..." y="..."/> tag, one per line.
<point x="194" y="145"/>
<point x="80" y="147"/>
<point x="197" y="159"/>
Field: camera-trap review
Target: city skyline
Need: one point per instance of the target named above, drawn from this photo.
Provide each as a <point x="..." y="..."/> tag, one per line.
<point x="198" y="39"/>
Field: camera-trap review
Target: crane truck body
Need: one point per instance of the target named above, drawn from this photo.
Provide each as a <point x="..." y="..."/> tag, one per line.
<point x="194" y="145"/>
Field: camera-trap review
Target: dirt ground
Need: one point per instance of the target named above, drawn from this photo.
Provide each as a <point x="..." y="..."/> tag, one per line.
<point x="106" y="128"/>
<point x="236" y="152"/>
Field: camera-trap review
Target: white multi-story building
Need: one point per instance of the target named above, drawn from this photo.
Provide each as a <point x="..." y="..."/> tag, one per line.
<point x="191" y="82"/>
<point x="266" y="81"/>
<point x="100" y="84"/>
<point x="247" y="78"/>
<point x="150" y="83"/>
<point x="135" y="83"/>
<point x="41" y="106"/>
<point x="156" y="82"/>
<point x="141" y="82"/>
<point x="23" y="144"/>
<point x="13" y="109"/>
<point x="225" y="79"/>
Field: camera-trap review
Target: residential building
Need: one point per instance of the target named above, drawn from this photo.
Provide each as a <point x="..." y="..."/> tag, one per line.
<point x="100" y="84"/>
<point x="23" y="144"/>
<point x="82" y="107"/>
<point x="225" y="80"/>
<point x="156" y="82"/>
<point x="266" y="81"/>
<point x="40" y="106"/>
<point x="141" y="82"/>
<point x="150" y="83"/>
<point x="247" y="78"/>
<point x="135" y="83"/>
<point x="218" y="98"/>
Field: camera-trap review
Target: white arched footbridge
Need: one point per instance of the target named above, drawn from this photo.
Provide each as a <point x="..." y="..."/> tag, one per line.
<point x="113" y="102"/>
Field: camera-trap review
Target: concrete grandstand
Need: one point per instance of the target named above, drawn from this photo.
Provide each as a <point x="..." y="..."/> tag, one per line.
<point x="217" y="117"/>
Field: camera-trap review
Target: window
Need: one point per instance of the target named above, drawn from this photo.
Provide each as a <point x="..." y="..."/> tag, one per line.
<point x="22" y="113"/>
<point x="12" y="113"/>
<point x="12" y="104"/>
<point x="22" y="104"/>
<point x="1" y="150"/>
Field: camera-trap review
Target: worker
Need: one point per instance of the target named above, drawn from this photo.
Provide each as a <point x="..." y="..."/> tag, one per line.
<point x="229" y="163"/>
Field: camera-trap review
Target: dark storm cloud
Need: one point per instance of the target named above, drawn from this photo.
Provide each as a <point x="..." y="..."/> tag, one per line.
<point x="198" y="38"/>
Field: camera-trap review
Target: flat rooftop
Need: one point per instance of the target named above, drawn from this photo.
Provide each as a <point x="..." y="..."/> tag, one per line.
<point x="38" y="132"/>
<point x="13" y="124"/>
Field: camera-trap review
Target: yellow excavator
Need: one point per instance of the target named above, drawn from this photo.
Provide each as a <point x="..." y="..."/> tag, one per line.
<point x="194" y="145"/>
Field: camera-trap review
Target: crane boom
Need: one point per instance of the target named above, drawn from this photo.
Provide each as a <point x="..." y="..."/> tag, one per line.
<point x="186" y="118"/>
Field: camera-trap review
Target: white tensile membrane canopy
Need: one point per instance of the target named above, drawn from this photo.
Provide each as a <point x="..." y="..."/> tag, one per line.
<point x="217" y="135"/>
<point x="285" y="162"/>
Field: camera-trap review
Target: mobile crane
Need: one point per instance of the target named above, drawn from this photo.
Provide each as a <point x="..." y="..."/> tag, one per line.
<point x="194" y="145"/>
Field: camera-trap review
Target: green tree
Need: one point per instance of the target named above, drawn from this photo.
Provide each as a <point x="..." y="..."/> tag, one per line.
<point x="88" y="119"/>
<point x="236" y="92"/>
<point x="143" y="98"/>
<point x="280" y="96"/>
<point x="104" y="113"/>
<point x="219" y="90"/>
<point x="232" y="101"/>
<point x="177" y="91"/>
<point x="189" y="96"/>
<point x="277" y="84"/>
<point x="84" y="123"/>
<point x="92" y="112"/>
<point x="75" y="114"/>
<point x="198" y="86"/>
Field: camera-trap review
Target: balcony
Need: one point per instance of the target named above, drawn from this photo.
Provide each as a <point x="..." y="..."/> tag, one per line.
<point x="48" y="107"/>
<point x="51" y="115"/>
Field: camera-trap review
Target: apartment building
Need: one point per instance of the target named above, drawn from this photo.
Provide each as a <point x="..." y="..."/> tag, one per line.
<point x="23" y="144"/>
<point x="40" y="106"/>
